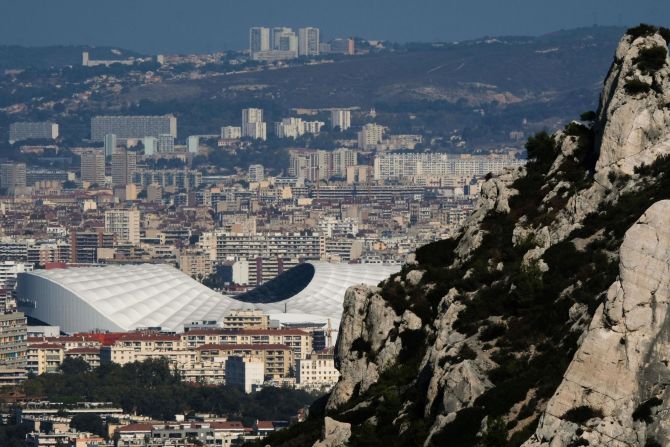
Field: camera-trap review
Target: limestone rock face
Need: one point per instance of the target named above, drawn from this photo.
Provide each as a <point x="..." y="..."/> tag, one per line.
<point x="494" y="196"/>
<point x="623" y="360"/>
<point x="334" y="434"/>
<point x="367" y="320"/>
<point x="457" y="383"/>
<point x="633" y="126"/>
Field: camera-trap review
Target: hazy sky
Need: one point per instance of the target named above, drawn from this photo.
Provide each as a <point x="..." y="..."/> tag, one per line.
<point x="205" y="25"/>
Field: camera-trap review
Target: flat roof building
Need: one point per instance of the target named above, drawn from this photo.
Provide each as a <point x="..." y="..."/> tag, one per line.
<point x="39" y="130"/>
<point x="130" y="126"/>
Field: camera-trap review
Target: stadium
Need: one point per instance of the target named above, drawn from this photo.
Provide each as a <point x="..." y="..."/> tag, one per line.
<point x="127" y="297"/>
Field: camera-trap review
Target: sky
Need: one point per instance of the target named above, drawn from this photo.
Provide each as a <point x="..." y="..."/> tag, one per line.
<point x="187" y="26"/>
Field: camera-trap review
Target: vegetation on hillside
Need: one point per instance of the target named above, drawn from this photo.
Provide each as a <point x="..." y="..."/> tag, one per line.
<point x="152" y="388"/>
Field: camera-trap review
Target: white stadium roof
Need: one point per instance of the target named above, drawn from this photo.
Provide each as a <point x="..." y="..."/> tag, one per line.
<point x="126" y="297"/>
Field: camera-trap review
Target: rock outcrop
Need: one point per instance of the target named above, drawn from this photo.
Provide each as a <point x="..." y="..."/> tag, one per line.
<point x="623" y="361"/>
<point x="363" y="348"/>
<point x="494" y="197"/>
<point x="334" y="434"/>
<point x="488" y="329"/>
<point x="633" y="123"/>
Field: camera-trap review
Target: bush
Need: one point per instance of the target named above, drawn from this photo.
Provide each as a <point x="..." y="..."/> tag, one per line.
<point x="492" y="331"/>
<point x="581" y="414"/>
<point x="437" y="254"/>
<point x="650" y="60"/>
<point x="588" y="116"/>
<point x="643" y="411"/>
<point x="91" y="423"/>
<point x="579" y="442"/>
<point x="642" y="30"/>
<point x="542" y="150"/>
<point x="635" y="86"/>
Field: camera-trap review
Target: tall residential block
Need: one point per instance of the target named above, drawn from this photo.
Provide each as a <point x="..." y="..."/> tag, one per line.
<point x="193" y="144"/>
<point x="259" y="40"/>
<point x="110" y="144"/>
<point x="124" y="224"/>
<point x="231" y="132"/>
<point x="124" y="165"/>
<point x="13" y="340"/>
<point x="340" y="118"/>
<point x="125" y="126"/>
<point x="40" y="130"/>
<point x="308" y="41"/>
<point x="12" y="176"/>
<point x="93" y="167"/>
<point x="165" y="143"/>
<point x="256" y="173"/>
<point x="253" y="125"/>
<point x="370" y="135"/>
<point x="150" y="145"/>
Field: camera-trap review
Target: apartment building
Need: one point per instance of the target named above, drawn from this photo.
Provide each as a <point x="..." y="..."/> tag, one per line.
<point x="437" y="165"/>
<point x="93" y="167"/>
<point x="307" y="245"/>
<point x="318" y="369"/>
<point x="246" y="319"/>
<point x="299" y="341"/>
<point x="13" y="340"/>
<point x="40" y="130"/>
<point x="124" y="224"/>
<point x="125" y="127"/>
<point x="277" y="360"/>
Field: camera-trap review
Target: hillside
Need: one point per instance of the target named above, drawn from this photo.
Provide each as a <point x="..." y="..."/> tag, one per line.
<point x="485" y="88"/>
<point x="19" y="57"/>
<point x="544" y="323"/>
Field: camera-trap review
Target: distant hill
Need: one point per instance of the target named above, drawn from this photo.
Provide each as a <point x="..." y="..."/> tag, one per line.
<point x="15" y="56"/>
<point x="486" y="85"/>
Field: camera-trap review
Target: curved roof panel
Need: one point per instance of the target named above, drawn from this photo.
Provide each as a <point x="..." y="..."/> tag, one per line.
<point x="126" y="297"/>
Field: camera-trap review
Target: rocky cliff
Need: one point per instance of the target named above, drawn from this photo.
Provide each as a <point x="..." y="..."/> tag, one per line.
<point x="544" y="323"/>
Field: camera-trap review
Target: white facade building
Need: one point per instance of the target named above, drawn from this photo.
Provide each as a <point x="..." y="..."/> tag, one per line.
<point x="308" y="44"/>
<point x="245" y="373"/>
<point x="370" y="135"/>
<point x="437" y="165"/>
<point x="318" y="369"/>
<point x="340" y="118"/>
<point x="253" y="125"/>
<point x="231" y="132"/>
<point x="259" y="40"/>
<point x="150" y="145"/>
<point x="40" y="130"/>
<point x="193" y="144"/>
<point x="125" y="224"/>
<point x="110" y="144"/>
<point x="127" y="126"/>
<point x="256" y="173"/>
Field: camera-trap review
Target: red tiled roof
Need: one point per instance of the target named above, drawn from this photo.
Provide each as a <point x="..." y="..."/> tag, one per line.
<point x="227" y="425"/>
<point x="45" y="346"/>
<point x="140" y="427"/>
<point x="236" y="347"/>
<point x="249" y="331"/>
<point x="265" y="425"/>
<point x="144" y="336"/>
<point x="83" y="350"/>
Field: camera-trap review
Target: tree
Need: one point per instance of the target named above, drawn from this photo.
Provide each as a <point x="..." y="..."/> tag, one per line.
<point x="74" y="365"/>
<point x="91" y="423"/>
<point x="495" y="434"/>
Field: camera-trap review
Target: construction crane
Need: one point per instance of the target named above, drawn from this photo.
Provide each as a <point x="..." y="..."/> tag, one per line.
<point x="329" y="335"/>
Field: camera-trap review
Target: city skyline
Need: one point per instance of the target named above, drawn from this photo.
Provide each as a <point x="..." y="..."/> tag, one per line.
<point x="214" y="26"/>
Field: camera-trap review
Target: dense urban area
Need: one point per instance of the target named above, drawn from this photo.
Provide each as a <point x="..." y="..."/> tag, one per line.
<point x="171" y="287"/>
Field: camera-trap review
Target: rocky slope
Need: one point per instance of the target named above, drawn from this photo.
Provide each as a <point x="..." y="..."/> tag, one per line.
<point x="544" y="322"/>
